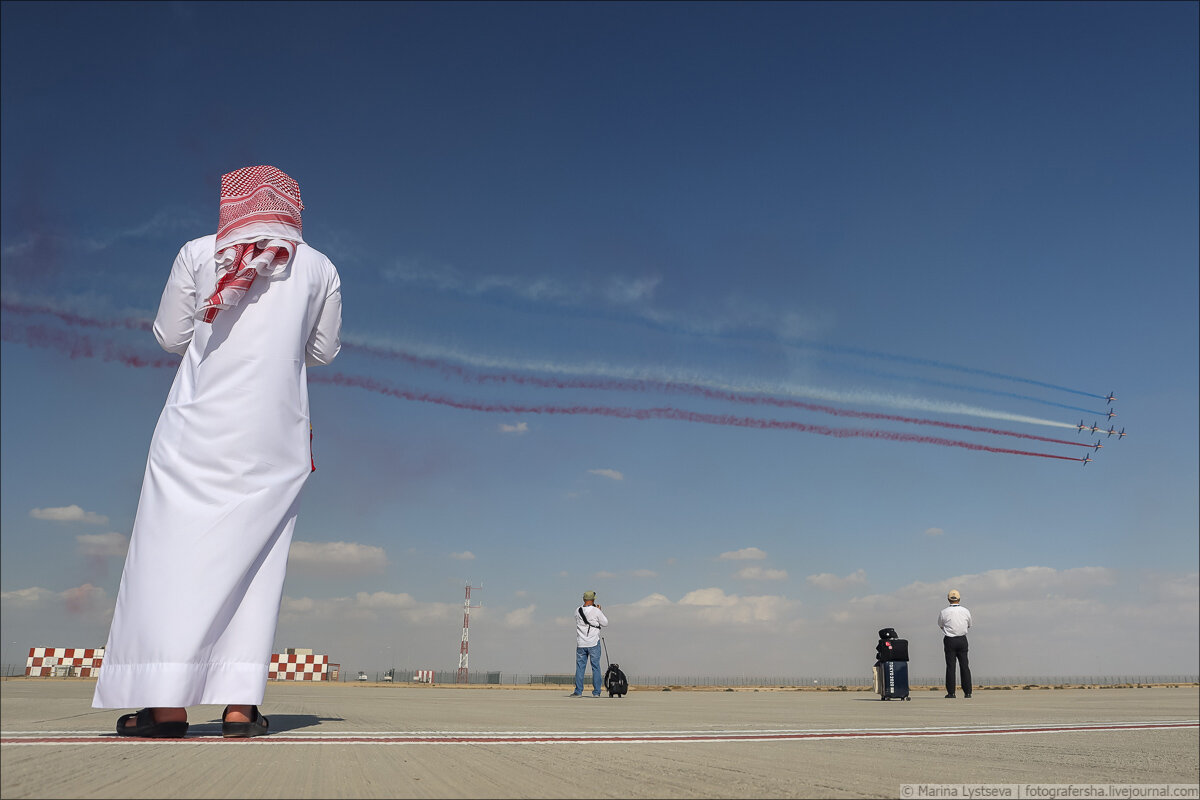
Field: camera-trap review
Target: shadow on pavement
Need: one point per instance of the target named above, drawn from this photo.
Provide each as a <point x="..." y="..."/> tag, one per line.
<point x="280" y="723"/>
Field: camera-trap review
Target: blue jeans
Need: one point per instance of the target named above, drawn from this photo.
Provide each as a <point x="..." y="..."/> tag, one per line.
<point x="582" y="654"/>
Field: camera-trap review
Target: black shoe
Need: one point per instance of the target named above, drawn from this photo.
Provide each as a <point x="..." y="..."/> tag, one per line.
<point x="257" y="726"/>
<point x="145" y="727"/>
<point x="950" y="697"/>
<point x="967" y="695"/>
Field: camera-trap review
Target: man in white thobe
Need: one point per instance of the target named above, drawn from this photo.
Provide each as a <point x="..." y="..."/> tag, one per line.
<point x="249" y="309"/>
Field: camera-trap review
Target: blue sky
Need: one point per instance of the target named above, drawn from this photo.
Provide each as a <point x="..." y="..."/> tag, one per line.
<point x="550" y="219"/>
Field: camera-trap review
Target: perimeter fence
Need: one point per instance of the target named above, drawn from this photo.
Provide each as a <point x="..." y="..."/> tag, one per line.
<point x="402" y="676"/>
<point x="408" y="676"/>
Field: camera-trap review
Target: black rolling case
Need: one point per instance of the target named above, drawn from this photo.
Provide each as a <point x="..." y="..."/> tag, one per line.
<point x="891" y="666"/>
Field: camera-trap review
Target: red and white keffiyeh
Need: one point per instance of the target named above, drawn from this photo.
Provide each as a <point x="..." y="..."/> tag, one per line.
<point x="257" y="233"/>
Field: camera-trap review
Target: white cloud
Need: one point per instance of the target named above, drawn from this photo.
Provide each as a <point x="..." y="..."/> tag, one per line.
<point x="368" y="606"/>
<point x="832" y="583"/>
<point x="715" y="606"/>
<point x="745" y="554"/>
<point x="612" y="474"/>
<point x="704" y="608"/>
<point x="605" y="574"/>
<point x="934" y="531"/>
<point x="33" y="597"/>
<point x="520" y="618"/>
<point x="337" y="558"/>
<point x="761" y="574"/>
<point x="102" y="544"/>
<point x="652" y="601"/>
<point x="465" y="555"/>
<point x="644" y="573"/>
<point x="631" y="295"/>
<point x="519" y="429"/>
<point x="297" y="605"/>
<point x="71" y="513"/>
<point x="78" y="601"/>
<point x="1177" y="588"/>
<point x="626" y="291"/>
<point x="401" y="600"/>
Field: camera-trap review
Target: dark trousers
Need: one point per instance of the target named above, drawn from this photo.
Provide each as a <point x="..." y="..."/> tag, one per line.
<point x="956" y="650"/>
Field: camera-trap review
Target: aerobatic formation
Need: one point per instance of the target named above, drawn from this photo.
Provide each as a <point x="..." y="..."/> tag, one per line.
<point x="72" y="334"/>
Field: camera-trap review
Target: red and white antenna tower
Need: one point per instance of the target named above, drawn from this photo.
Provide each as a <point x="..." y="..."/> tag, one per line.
<point x="463" y="672"/>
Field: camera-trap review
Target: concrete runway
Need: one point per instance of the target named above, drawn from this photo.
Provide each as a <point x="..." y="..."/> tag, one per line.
<point x="507" y="742"/>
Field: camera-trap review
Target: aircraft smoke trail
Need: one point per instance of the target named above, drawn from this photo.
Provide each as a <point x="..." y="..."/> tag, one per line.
<point x="439" y="359"/>
<point x="379" y="387"/>
<point x="948" y="385"/>
<point x="82" y="346"/>
<point x="76" y="345"/>
<point x="927" y="362"/>
<point x="808" y="344"/>
<point x="751" y="393"/>
<point x="71" y="318"/>
<point x="640" y="385"/>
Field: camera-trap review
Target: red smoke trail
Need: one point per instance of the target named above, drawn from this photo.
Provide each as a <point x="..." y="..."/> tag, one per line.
<point x="641" y="385"/>
<point x="72" y="318"/>
<point x="372" y="385"/>
<point x="469" y="375"/>
<point x="81" y="346"/>
<point x="77" y="346"/>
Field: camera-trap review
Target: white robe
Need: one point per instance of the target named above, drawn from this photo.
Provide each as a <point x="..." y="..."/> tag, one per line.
<point x="199" y="599"/>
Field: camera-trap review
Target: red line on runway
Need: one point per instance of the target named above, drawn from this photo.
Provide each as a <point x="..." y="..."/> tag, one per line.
<point x="748" y="736"/>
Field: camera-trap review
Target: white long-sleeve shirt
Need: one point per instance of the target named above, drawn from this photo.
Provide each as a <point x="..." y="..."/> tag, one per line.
<point x="954" y="620"/>
<point x="588" y="634"/>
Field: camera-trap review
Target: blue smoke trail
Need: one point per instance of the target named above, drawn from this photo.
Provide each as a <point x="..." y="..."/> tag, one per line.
<point x="836" y="366"/>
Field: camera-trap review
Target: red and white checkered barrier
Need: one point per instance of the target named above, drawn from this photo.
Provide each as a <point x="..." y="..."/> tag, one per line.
<point x="79" y="662"/>
<point x="423" y="676"/>
<point x="295" y="667"/>
<point x="75" y="662"/>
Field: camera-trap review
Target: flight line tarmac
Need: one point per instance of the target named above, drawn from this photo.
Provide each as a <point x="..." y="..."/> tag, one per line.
<point x="345" y="740"/>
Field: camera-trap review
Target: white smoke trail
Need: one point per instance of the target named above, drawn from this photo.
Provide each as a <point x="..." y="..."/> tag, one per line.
<point x="671" y="375"/>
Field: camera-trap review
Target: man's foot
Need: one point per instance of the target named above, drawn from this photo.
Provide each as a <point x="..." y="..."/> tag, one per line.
<point x="154" y="723"/>
<point x="242" y="722"/>
<point x="950" y="696"/>
<point x="575" y="694"/>
<point x="967" y="695"/>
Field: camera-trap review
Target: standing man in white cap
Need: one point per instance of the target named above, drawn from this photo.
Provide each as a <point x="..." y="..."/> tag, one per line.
<point x="589" y="619"/>
<point x="955" y="621"/>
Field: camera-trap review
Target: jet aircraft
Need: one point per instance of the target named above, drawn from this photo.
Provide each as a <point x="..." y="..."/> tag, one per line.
<point x="1080" y="428"/>
<point x="1112" y="429"/>
<point x="1095" y="428"/>
<point x="1111" y="413"/>
<point x="1111" y="397"/>
<point x="1121" y="435"/>
<point x="1086" y="459"/>
<point x="1096" y="445"/>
